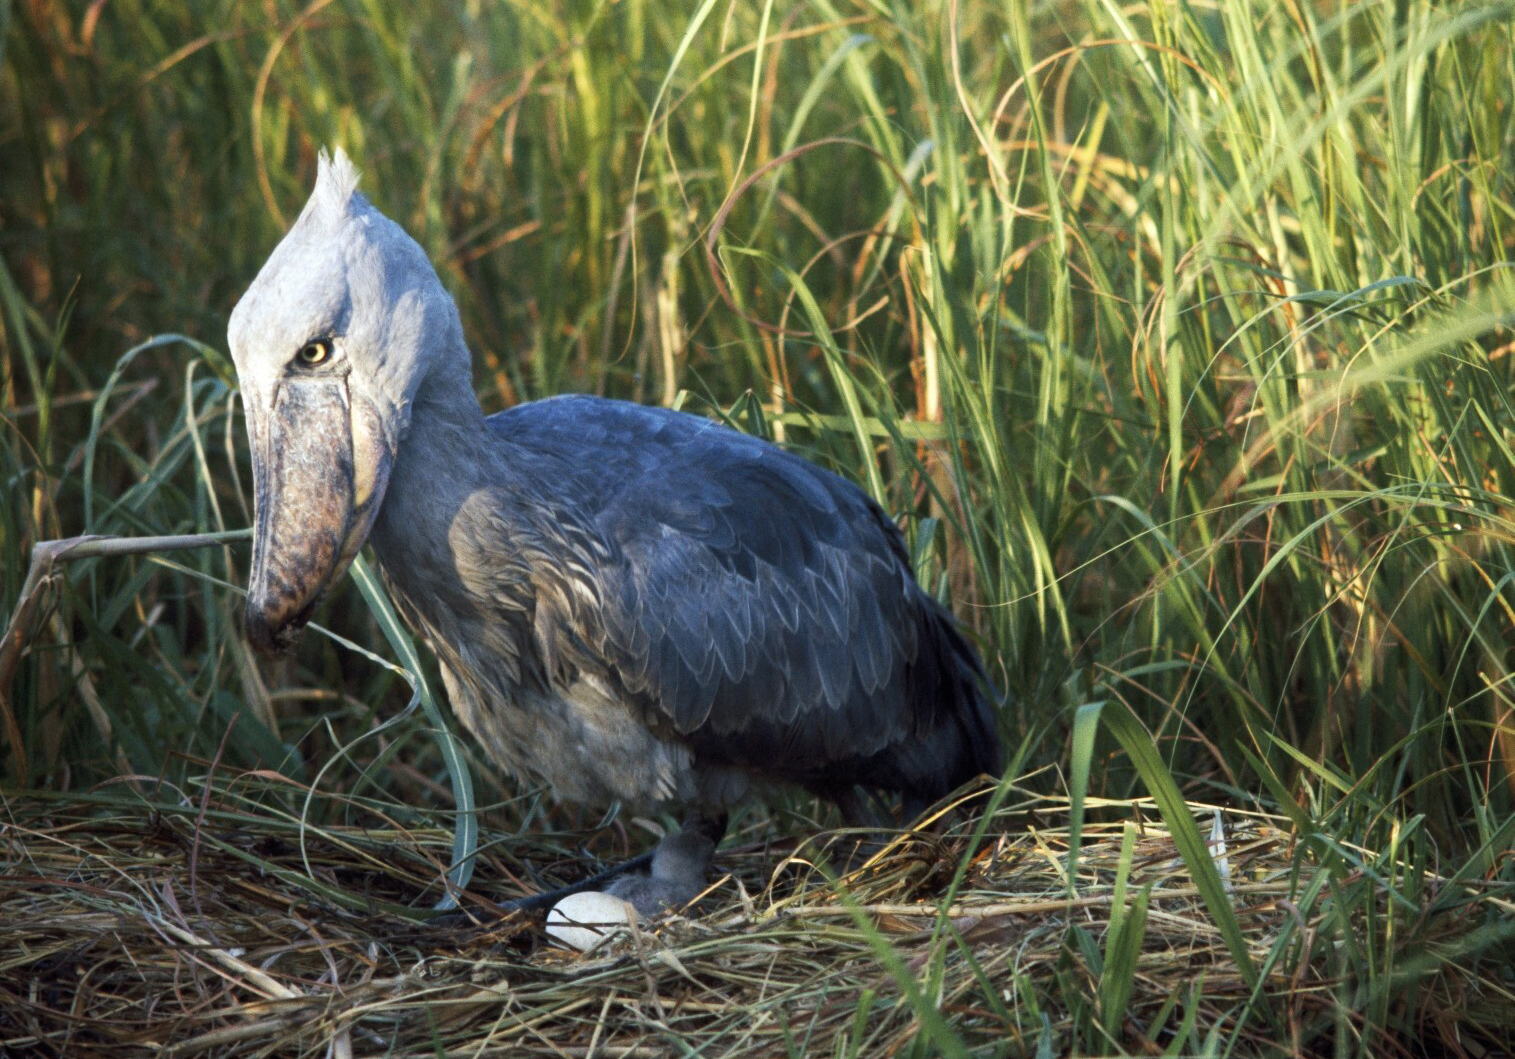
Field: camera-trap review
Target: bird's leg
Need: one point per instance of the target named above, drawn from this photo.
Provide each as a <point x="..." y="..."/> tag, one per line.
<point x="678" y="869"/>
<point x="537" y="902"/>
<point x="676" y="875"/>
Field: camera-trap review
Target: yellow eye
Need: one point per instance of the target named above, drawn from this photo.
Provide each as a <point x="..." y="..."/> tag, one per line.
<point x="316" y="351"/>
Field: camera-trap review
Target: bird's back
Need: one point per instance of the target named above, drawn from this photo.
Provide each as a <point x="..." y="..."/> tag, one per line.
<point x="752" y="606"/>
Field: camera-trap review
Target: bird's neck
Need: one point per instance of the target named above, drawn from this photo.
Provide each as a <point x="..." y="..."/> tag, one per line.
<point x="444" y="404"/>
<point x="444" y="456"/>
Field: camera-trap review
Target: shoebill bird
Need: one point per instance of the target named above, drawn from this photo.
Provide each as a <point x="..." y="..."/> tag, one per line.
<point x="627" y="603"/>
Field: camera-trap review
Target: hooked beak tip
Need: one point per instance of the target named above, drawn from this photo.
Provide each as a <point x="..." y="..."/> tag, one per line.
<point x="269" y="635"/>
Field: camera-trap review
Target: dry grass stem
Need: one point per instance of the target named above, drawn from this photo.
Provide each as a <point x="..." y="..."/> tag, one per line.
<point x="114" y="946"/>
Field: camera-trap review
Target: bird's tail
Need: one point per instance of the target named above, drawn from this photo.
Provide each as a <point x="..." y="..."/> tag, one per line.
<point x="957" y="734"/>
<point x="972" y="700"/>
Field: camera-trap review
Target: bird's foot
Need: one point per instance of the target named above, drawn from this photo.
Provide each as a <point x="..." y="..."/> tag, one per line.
<point x="653" y="897"/>
<point x="473" y="915"/>
<point x="676" y="877"/>
<point x="678" y="869"/>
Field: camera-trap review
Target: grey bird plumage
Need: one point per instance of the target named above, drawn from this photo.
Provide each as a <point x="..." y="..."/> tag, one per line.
<point x="627" y="603"/>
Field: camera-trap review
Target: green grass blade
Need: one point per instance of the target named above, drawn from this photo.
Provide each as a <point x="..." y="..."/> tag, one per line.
<point x="465" y="840"/>
<point x="1137" y="743"/>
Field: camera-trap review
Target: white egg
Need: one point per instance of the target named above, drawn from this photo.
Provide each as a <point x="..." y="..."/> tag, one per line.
<point x="583" y="920"/>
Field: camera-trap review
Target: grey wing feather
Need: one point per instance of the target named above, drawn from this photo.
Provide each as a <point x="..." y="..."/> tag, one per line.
<point x="761" y="608"/>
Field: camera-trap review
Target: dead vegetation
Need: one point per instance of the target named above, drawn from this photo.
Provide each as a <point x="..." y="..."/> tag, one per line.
<point x="210" y="922"/>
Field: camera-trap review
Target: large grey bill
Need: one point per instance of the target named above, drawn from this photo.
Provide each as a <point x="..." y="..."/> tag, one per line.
<point x="319" y="471"/>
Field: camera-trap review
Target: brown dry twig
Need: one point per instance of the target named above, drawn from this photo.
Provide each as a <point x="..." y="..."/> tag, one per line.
<point x="98" y="960"/>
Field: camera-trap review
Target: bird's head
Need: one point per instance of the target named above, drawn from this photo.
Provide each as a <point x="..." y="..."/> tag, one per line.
<point x="344" y="324"/>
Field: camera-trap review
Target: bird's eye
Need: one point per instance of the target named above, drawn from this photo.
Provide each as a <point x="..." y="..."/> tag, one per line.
<point x="316" y="351"/>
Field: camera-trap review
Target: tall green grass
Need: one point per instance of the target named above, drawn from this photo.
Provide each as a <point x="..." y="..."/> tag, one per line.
<point x="1178" y="336"/>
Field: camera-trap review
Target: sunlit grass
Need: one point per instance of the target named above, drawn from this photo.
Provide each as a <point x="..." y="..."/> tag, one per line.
<point x="1177" y="337"/>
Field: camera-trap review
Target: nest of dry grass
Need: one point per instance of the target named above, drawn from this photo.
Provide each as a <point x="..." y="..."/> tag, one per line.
<point x="213" y="924"/>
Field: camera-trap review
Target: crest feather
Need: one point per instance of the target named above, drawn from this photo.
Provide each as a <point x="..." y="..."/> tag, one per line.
<point x="336" y="183"/>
